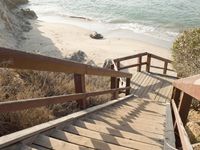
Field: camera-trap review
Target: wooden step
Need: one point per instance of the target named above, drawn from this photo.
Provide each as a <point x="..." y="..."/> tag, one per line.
<point x="136" y="115"/>
<point x="111" y="139"/>
<point x="38" y="147"/>
<point x="154" y="130"/>
<point x="122" y="122"/>
<point x="129" y="110"/>
<point x="118" y="132"/>
<point x="87" y="142"/>
<point x="128" y="119"/>
<point x="53" y="143"/>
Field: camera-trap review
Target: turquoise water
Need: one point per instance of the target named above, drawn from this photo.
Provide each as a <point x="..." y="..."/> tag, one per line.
<point x="168" y="17"/>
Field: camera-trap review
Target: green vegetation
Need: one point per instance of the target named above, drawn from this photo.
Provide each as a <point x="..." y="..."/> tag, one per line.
<point x="16" y="85"/>
<point x="186" y="53"/>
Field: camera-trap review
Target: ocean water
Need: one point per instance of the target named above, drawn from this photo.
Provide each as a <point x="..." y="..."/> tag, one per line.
<point x="162" y="19"/>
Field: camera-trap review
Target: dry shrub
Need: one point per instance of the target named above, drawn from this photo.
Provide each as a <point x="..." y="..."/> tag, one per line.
<point x="17" y="84"/>
<point x="14" y="121"/>
<point x="186" y="56"/>
<point x="96" y="83"/>
<point x="186" y="53"/>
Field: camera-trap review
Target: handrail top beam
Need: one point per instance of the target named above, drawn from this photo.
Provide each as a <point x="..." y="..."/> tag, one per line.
<point x="140" y="55"/>
<point x="22" y="60"/>
<point x="189" y="85"/>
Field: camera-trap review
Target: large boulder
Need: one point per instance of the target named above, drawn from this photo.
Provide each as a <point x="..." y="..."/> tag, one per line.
<point x="27" y="13"/>
<point x="81" y="57"/>
<point x="96" y="35"/>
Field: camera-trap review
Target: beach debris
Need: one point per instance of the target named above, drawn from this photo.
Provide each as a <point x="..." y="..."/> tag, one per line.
<point x="81" y="57"/>
<point x="96" y="35"/>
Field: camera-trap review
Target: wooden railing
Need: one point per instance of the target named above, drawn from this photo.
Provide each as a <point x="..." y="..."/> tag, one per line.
<point x="185" y="90"/>
<point x="147" y="62"/>
<point x="22" y="60"/>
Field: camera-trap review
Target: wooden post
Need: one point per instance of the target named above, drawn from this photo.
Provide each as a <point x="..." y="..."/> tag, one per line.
<point x="139" y="62"/>
<point x="184" y="107"/>
<point x="118" y="65"/>
<point x="118" y="80"/>
<point x="114" y="84"/>
<point x="148" y="63"/>
<point x="165" y="67"/>
<point x="79" y="82"/>
<point x="128" y="83"/>
<point x="176" y="97"/>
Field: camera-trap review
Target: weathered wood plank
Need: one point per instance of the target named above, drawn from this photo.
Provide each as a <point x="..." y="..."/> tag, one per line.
<point x="84" y="141"/>
<point x="53" y="143"/>
<point x="127" y="127"/>
<point x="26" y="133"/>
<point x="79" y="82"/>
<point x="120" y="133"/>
<point x="111" y="139"/>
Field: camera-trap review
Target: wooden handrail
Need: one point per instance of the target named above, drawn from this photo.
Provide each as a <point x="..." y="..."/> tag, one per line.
<point x="160" y="58"/>
<point x="185" y="142"/>
<point x="17" y="105"/>
<point x="21" y="60"/>
<point x="189" y="85"/>
<point x="139" y="64"/>
<point x="185" y="90"/>
<point x="130" y="57"/>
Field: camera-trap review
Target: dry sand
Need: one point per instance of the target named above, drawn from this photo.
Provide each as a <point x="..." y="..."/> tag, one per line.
<point x="61" y="39"/>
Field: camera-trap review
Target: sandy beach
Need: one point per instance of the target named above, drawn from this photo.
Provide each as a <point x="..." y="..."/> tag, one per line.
<point x="62" y="39"/>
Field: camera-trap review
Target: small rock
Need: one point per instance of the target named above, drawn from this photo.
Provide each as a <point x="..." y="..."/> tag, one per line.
<point x="193" y="130"/>
<point x="107" y="63"/>
<point x="96" y="35"/>
<point x="196" y="146"/>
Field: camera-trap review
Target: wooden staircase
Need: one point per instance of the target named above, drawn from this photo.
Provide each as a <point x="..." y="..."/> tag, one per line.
<point x="141" y="119"/>
<point x="131" y="123"/>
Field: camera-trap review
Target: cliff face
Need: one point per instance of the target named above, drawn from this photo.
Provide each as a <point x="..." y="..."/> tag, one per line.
<point x="11" y="23"/>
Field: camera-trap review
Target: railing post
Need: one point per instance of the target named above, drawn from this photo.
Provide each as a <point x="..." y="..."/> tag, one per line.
<point x="148" y="63"/>
<point x="176" y="96"/>
<point x="139" y="62"/>
<point x="114" y="84"/>
<point x="118" y="65"/>
<point x="128" y="83"/>
<point x="79" y="82"/>
<point x="184" y="107"/>
<point x="165" y="67"/>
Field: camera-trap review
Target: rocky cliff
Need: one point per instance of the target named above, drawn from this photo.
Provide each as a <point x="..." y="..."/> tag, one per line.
<point x="13" y="23"/>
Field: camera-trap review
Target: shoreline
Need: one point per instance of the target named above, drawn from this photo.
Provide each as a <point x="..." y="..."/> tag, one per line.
<point x="138" y="32"/>
<point x="61" y="40"/>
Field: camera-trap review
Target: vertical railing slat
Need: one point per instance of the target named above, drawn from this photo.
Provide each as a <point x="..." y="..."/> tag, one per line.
<point x="128" y="83"/>
<point x="79" y="82"/>
<point x="184" y="107"/>
<point x="114" y="84"/>
<point x="148" y="63"/>
<point x="165" y="67"/>
<point x="139" y="62"/>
